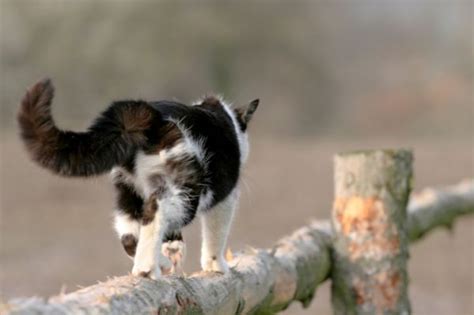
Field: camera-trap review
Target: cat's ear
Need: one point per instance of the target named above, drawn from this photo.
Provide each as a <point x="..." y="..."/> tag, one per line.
<point x="245" y="113"/>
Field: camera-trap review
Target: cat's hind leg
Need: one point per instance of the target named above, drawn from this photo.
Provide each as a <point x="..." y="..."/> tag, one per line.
<point x="162" y="213"/>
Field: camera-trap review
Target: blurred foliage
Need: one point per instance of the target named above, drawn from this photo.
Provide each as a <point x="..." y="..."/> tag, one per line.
<point x="339" y="68"/>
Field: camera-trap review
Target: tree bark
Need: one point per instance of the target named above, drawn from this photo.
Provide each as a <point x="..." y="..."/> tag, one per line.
<point x="369" y="273"/>
<point x="261" y="282"/>
<point x="439" y="207"/>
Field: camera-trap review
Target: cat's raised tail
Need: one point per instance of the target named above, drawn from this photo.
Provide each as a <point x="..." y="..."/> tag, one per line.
<point x="110" y="140"/>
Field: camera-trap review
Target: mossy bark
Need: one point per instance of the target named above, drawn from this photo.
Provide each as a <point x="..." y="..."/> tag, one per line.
<point x="370" y="254"/>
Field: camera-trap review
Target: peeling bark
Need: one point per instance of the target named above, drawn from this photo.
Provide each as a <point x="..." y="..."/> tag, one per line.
<point x="369" y="274"/>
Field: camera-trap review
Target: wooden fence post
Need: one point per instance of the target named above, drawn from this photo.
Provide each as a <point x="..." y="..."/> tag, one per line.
<point x="369" y="275"/>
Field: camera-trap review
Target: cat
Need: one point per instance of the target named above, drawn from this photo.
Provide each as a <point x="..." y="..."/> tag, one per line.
<point x="168" y="162"/>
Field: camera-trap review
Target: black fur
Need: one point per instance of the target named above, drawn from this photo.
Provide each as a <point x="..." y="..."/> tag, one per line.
<point x="129" y="243"/>
<point x="174" y="235"/>
<point x="111" y="140"/>
<point x="128" y="127"/>
<point x="128" y="201"/>
<point x="210" y="122"/>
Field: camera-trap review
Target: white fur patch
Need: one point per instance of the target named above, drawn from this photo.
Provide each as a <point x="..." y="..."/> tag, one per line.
<point x="149" y="164"/>
<point x="193" y="146"/>
<point x="205" y="201"/>
<point x="215" y="231"/>
<point x="123" y="224"/>
<point x="120" y="175"/>
<point x="145" y="257"/>
<point x="242" y="137"/>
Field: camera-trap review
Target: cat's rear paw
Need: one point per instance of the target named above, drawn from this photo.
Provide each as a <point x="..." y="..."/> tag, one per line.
<point x="175" y="251"/>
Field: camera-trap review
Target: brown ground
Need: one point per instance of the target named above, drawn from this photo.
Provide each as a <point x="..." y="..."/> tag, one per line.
<point x="56" y="233"/>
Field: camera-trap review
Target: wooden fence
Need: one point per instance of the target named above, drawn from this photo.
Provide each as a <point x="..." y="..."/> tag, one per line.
<point x="363" y="250"/>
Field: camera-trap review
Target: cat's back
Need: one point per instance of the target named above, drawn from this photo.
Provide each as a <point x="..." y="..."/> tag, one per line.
<point x="209" y="131"/>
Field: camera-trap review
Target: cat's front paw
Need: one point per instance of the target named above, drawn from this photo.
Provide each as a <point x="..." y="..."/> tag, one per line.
<point x="152" y="271"/>
<point x="146" y="272"/>
<point x="214" y="264"/>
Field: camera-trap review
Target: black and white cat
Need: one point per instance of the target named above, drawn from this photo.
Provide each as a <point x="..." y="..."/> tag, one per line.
<point x="168" y="161"/>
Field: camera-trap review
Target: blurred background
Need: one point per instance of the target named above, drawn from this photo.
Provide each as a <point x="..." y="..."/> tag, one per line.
<point x="331" y="75"/>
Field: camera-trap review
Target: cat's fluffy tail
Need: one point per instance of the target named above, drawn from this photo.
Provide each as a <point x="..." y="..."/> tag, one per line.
<point x="110" y="140"/>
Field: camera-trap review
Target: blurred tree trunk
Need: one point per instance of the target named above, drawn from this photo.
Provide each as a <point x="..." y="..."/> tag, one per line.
<point x="370" y="239"/>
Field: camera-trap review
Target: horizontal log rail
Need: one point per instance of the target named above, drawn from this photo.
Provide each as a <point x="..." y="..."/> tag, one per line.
<point x="261" y="281"/>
